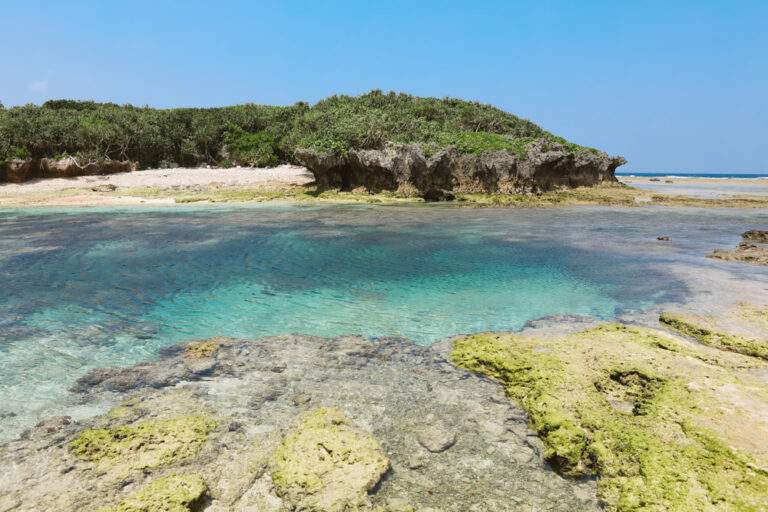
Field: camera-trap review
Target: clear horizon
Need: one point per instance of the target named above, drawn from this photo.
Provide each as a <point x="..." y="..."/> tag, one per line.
<point x="669" y="86"/>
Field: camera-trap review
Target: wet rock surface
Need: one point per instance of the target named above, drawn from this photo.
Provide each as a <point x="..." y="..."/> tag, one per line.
<point x="745" y="251"/>
<point x="405" y="167"/>
<point x="452" y="440"/>
<point x="756" y="235"/>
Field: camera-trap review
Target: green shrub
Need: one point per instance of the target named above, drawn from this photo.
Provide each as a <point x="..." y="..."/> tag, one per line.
<point x="259" y="134"/>
<point x="254" y="149"/>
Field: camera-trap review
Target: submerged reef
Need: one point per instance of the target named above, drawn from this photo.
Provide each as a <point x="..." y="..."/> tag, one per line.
<point x="301" y="423"/>
<point x="175" y="493"/>
<point x="666" y="424"/>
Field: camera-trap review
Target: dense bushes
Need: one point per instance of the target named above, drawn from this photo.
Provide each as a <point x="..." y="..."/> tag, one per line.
<point x="257" y="134"/>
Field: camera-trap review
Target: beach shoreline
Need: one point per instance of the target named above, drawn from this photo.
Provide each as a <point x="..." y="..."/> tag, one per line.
<point x="294" y="184"/>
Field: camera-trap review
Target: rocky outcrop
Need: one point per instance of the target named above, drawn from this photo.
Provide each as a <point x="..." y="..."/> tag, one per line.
<point x="547" y="166"/>
<point x="289" y="423"/>
<point x="18" y="170"/>
<point x="745" y="251"/>
<point x="756" y="235"/>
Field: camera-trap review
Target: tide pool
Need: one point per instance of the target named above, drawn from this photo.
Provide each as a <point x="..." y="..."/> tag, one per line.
<point x="87" y="288"/>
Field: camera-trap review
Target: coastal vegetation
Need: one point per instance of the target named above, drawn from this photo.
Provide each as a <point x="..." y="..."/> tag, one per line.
<point x="259" y="135"/>
<point x="639" y="408"/>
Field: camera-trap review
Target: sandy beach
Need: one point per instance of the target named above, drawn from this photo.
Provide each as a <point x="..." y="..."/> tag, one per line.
<point x="169" y="178"/>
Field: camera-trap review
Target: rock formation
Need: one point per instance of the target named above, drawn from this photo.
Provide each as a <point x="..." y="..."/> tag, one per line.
<point x="745" y="251"/>
<point x="547" y="166"/>
<point x="18" y="170"/>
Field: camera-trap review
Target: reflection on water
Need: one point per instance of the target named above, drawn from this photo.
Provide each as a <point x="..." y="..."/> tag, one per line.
<point x="89" y="288"/>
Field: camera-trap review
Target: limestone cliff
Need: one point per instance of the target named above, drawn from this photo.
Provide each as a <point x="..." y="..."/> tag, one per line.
<point x="546" y="166"/>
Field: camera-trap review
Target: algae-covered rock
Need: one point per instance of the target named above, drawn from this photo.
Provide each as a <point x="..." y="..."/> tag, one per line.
<point x="665" y="427"/>
<point x="144" y="445"/>
<point x="709" y="331"/>
<point x="205" y="348"/>
<point x="175" y="493"/>
<point x="327" y="464"/>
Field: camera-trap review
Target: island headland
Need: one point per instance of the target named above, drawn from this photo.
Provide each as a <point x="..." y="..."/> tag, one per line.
<point x="376" y="142"/>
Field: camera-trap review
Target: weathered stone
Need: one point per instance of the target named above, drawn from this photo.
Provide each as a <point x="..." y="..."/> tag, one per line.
<point x="436" y="439"/>
<point x="18" y="170"/>
<point x="327" y="464"/>
<point x="547" y="166"/>
<point x="756" y="235"/>
<point x="175" y="493"/>
<point x="745" y="251"/>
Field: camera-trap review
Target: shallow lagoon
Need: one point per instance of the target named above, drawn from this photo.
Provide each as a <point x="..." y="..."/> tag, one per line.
<point x="87" y="288"/>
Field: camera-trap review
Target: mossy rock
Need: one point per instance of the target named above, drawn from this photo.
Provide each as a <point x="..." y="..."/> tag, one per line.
<point x="327" y="464"/>
<point x="205" y="348"/>
<point x="637" y="407"/>
<point x="175" y="493"/>
<point x="144" y="445"/>
<point x="705" y="329"/>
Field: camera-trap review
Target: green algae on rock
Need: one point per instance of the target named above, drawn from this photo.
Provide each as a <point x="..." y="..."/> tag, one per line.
<point x="706" y="330"/>
<point x="327" y="464"/>
<point x="205" y="348"/>
<point x="144" y="445"/>
<point x="175" y="493"/>
<point x="636" y="407"/>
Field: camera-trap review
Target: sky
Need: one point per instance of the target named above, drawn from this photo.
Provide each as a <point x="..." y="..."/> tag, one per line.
<point x="674" y="85"/>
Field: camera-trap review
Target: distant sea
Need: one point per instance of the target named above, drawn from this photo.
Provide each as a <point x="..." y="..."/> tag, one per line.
<point x="691" y="175"/>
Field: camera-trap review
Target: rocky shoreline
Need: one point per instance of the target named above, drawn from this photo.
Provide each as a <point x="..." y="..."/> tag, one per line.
<point x="236" y="425"/>
<point x="21" y="170"/>
<point x="222" y="408"/>
<point x="545" y="166"/>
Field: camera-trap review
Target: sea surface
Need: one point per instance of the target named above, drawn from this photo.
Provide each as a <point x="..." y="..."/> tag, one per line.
<point x="84" y="288"/>
<point x="712" y="186"/>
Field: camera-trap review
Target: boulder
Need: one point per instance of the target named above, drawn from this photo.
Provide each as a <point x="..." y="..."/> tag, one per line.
<point x="756" y="235"/>
<point x="547" y="166"/>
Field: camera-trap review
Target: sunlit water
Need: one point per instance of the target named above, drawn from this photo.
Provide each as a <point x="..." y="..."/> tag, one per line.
<point x="708" y="189"/>
<point x="86" y="288"/>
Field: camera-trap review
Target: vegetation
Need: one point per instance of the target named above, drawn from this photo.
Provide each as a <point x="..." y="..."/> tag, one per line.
<point x="629" y="403"/>
<point x="257" y="134"/>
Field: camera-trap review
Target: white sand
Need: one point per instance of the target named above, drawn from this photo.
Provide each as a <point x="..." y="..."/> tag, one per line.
<point x="169" y="178"/>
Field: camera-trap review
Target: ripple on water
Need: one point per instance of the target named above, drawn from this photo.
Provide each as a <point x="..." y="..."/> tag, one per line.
<point x="94" y="288"/>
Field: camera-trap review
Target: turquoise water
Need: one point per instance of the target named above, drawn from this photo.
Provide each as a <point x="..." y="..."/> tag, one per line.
<point x="92" y="288"/>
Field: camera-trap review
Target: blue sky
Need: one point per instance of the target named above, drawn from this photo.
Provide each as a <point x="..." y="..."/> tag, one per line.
<point x="672" y="85"/>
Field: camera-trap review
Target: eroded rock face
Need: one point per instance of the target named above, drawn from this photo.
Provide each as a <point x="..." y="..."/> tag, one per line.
<point x="333" y="414"/>
<point x="17" y="170"/>
<point x="745" y="251"/>
<point x="546" y="167"/>
<point x="756" y="235"/>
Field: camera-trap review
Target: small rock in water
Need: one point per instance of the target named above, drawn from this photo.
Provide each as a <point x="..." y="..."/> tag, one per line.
<point x="663" y="238"/>
<point x="436" y="439"/>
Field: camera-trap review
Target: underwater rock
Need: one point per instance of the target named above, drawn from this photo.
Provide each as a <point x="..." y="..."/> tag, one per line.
<point x="547" y="166"/>
<point x="375" y="394"/>
<point x="175" y="493"/>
